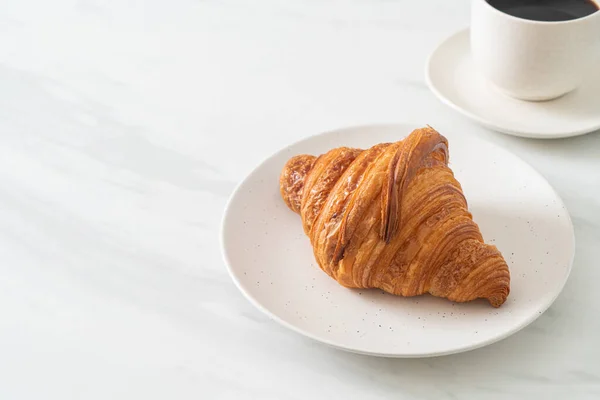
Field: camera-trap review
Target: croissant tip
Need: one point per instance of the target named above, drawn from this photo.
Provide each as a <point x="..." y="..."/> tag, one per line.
<point x="496" y="303"/>
<point x="291" y="180"/>
<point x="497" y="300"/>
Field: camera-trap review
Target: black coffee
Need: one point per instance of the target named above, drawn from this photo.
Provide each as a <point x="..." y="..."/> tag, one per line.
<point x="546" y="10"/>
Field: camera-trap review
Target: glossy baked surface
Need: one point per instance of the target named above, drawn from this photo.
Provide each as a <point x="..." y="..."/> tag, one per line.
<point x="394" y="217"/>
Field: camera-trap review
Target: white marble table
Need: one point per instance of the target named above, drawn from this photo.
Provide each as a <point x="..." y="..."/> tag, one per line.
<point x="124" y="126"/>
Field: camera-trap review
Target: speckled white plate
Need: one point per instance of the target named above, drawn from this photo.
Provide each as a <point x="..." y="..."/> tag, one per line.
<point x="271" y="260"/>
<point x="453" y="78"/>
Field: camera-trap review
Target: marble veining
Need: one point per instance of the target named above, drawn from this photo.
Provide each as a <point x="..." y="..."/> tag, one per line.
<point x="124" y="127"/>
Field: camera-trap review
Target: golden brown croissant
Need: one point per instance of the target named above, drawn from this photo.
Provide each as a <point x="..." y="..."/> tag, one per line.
<point x="394" y="217"/>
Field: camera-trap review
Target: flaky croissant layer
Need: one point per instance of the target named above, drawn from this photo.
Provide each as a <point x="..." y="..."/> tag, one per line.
<point x="394" y="217"/>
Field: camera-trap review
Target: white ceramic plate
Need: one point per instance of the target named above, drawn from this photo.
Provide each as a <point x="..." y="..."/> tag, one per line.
<point x="453" y="78"/>
<point x="271" y="260"/>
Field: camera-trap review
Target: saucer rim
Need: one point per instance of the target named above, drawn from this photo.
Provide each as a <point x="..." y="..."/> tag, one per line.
<point x="482" y="121"/>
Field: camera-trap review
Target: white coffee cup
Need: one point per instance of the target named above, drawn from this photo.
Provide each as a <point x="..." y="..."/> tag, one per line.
<point x="533" y="60"/>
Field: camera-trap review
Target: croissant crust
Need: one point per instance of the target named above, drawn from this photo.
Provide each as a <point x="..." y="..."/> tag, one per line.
<point x="394" y="217"/>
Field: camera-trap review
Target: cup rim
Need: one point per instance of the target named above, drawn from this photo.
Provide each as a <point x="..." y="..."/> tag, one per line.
<point x="535" y="22"/>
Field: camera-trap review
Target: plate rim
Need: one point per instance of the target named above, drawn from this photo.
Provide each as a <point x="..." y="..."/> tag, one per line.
<point x="222" y="244"/>
<point x="482" y="121"/>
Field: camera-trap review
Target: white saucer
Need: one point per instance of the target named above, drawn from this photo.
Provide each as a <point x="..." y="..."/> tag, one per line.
<point x="452" y="76"/>
<point x="271" y="260"/>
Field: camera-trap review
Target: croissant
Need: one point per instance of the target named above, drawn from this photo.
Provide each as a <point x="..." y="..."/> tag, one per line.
<point x="394" y="217"/>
